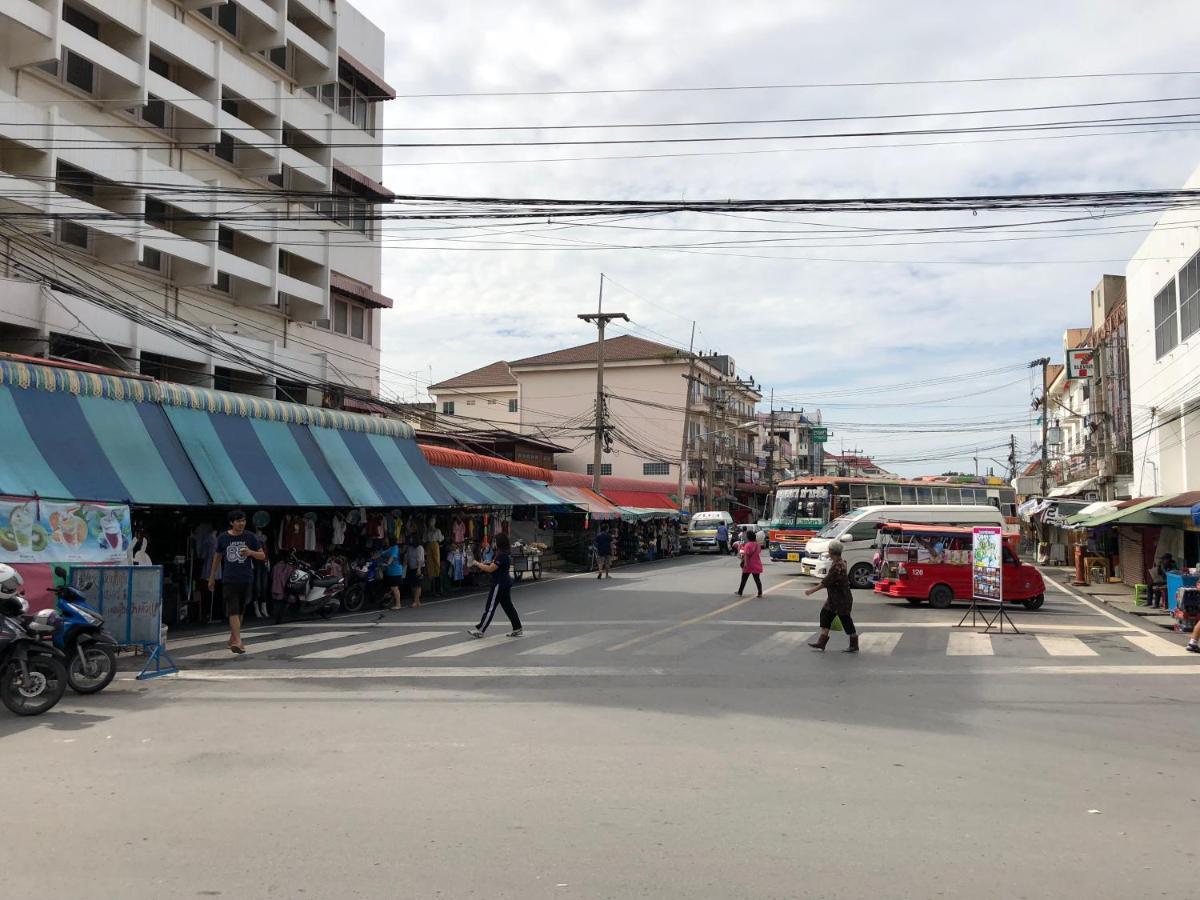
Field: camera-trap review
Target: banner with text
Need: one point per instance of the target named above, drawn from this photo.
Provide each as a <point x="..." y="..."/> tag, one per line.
<point x="45" y="531"/>
<point x="986" y="555"/>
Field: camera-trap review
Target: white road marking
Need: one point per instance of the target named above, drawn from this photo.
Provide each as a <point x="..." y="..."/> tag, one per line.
<point x="267" y="646"/>
<point x="948" y="623"/>
<point x="471" y="645"/>
<point x="570" y="645"/>
<point x="1064" y="645"/>
<point x="173" y="645"/>
<point x="371" y="646"/>
<point x="417" y="672"/>
<point x="680" y="642"/>
<point x="781" y="643"/>
<point x="1062" y="589"/>
<point x="969" y="643"/>
<point x="881" y="642"/>
<point x="1169" y="670"/>
<point x="1155" y="645"/>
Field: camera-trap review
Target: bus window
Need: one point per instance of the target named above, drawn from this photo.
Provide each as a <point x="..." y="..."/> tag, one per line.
<point x="858" y="495"/>
<point x="924" y="495"/>
<point x="875" y="494"/>
<point x="939" y="496"/>
<point x="908" y="494"/>
<point x="892" y="492"/>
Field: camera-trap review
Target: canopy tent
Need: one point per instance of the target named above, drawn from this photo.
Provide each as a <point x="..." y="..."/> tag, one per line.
<point x="587" y="499"/>
<point x="1074" y="489"/>
<point x="473" y="479"/>
<point x="1131" y="512"/>
<point x="86" y="436"/>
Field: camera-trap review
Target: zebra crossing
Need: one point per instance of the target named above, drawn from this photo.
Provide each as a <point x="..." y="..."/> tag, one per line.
<point x="427" y="645"/>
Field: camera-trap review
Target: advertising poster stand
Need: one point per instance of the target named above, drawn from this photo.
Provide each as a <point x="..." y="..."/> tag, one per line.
<point x="987" y="580"/>
<point x="130" y="600"/>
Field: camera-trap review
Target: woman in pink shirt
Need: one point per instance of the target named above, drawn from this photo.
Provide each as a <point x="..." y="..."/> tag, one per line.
<point x="751" y="556"/>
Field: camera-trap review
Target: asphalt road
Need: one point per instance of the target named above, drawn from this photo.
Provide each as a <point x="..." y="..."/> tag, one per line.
<point x="652" y="735"/>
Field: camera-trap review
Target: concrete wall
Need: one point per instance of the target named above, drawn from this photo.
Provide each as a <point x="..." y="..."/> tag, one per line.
<point x="487" y="404"/>
<point x="1166" y="439"/>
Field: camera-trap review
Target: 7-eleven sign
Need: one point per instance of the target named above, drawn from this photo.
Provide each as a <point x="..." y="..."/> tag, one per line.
<point x="1081" y="362"/>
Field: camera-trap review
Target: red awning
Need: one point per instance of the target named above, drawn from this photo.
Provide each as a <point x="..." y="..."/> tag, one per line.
<point x="641" y="500"/>
<point x="352" y="287"/>
<point x="381" y="90"/>
<point x="586" y="498"/>
<point x="369" y="185"/>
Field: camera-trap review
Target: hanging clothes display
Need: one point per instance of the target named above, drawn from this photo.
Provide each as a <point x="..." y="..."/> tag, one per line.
<point x="338" y="535"/>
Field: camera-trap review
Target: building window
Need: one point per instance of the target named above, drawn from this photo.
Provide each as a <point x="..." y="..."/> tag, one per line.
<point x="1189" y="298"/>
<point x="513" y="406"/>
<point x="226" y="16"/>
<point x="1166" y="328"/>
<point x="223" y="149"/>
<point x="151" y="259"/>
<point x="74" y="181"/>
<point x="350" y="319"/>
<point x="605" y="469"/>
<point x="447" y="407"/>
<point x="73" y="234"/>
<point x="222" y="283"/>
<point x="470" y="402"/>
<point x="656" y="468"/>
<point x="79" y="72"/>
<point x="154" y="112"/>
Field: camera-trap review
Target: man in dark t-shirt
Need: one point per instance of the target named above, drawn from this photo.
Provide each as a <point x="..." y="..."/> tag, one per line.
<point x="603" y="543"/>
<point x="236" y="548"/>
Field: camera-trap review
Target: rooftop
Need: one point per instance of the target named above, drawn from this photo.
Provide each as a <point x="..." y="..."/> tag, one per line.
<point x="496" y="374"/>
<point x="619" y="349"/>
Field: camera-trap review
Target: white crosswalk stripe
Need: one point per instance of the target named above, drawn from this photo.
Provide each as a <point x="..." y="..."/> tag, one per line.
<point x="680" y="642"/>
<point x="470" y="645"/>
<point x="781" y="643"/>
<point x="373" y="646"/>
<point x="1064" y="645"/>
<point x="969" y="643"/>
<point x="880" y="642"/>
<point x="1155" y="645"/>
<point x="258" y="647"/>
<point x="210" y="640"/>
<point x="580" y="642"/>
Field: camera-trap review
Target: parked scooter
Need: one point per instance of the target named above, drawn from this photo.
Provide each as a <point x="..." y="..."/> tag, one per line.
<point x="32" y="675"/>
<point x="307" y="592"/>
<point x="365" y="586"/>
<point x="91" y="652"/>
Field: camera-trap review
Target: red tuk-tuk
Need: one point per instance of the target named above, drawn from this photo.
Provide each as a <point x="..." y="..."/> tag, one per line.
<point x="933" y="562"/>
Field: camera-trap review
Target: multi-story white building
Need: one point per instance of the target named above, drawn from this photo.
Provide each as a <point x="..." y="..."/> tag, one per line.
<point x="188" y="188"/>
<point x="1163" y="299"/>
<point x="647" y="386"/>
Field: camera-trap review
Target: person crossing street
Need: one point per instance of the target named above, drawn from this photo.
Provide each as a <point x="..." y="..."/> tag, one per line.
<point x="499" y="595"/>
<point x="603" y="545"/>
<point x="839" y="600"/>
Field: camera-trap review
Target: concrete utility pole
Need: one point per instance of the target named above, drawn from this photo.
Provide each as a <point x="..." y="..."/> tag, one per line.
<point x="687" y="408"/>
<point x="1044" y="362"/>
<point x="601" y="319"/>
<point x="770" y="448"/>
<point x="1012" y="458"/>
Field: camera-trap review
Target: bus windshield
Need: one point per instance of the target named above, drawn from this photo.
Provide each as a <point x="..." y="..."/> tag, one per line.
<point x="801" y="507"/>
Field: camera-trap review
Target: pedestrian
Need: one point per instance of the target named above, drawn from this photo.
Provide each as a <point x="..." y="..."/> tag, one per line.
<point x="500" y="590"/>
<point x="722" y="538"/>
<point x="414" y="569"/>
<point x="751" y="554"/>
<point x="603" y="545"/>
<point x="1193" y="643"/>
<point x="236" y="550"/>
<point x="392" y="560"/>
<point x="838" y="601"/>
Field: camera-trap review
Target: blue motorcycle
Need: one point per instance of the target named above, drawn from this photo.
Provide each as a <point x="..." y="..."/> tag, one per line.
<point x="90" y="651"/>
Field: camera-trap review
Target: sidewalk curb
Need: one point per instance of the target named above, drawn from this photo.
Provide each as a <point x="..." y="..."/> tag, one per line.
<point x="1148" y="615"/>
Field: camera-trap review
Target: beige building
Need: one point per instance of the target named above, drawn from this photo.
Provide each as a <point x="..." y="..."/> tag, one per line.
<point x="553" y="395"/>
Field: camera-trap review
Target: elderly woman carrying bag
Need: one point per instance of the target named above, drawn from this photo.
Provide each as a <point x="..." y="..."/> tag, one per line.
<point x="751" y="562"/>
<point x="838" y="602"/>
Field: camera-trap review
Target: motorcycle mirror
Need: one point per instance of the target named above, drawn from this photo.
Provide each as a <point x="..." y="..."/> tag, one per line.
<point x="60" y="571"/>
<point x="88" y="586"/>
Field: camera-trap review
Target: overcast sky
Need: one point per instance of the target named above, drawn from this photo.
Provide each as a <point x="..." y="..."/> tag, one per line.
<point x="831" y="319"/>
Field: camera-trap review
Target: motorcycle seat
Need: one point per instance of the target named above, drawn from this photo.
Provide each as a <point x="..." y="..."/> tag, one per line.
<point x="326" y="582"/>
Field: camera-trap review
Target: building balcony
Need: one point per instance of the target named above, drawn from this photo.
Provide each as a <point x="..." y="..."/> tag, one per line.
<point x="27" y="31"/>
<point x="120" y="78"/>
<point x="319" y="63"/>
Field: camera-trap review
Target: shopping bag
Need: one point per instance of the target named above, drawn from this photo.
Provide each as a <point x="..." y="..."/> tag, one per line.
<point x="836" y="624"/>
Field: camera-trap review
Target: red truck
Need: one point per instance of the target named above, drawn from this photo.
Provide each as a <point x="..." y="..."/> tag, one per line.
<point x="933" y="562"/>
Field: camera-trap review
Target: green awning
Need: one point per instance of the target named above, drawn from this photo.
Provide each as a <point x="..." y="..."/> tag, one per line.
<point x="1137" y="514"/>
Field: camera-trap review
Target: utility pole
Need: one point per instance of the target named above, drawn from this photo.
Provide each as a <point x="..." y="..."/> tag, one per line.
<point x="1012" y="458"/>
<point x="601" y="319"/>
<point x="770" y="457"/>
<point x="687" y="408"/>
<point x="710" y="470"/>
<point x="1044" y="362"/>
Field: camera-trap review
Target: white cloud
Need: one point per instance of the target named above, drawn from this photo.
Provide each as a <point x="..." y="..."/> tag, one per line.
<point x="800" y="325"/>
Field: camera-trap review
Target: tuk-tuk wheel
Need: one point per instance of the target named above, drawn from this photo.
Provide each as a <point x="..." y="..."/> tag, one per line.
<point x="1034" y="602"/>
<point x="941" y="597"/>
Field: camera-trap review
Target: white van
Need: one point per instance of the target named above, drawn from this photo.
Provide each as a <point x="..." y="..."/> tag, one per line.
<point x="857" y="532"/>
<point x="702" y="530"/>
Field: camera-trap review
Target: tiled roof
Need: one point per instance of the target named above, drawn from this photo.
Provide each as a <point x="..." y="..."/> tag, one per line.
<point x="495" y="375"/>
<point x="618" y="349"/>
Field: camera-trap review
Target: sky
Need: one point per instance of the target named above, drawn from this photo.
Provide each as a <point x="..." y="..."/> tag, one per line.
<point x="912" y="345"/>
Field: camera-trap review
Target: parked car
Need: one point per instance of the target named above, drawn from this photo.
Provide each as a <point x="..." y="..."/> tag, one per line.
<point x="702" y="530"/>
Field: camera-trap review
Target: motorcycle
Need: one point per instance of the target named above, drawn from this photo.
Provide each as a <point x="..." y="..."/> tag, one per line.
<point x="365" y="585"/>
<point x="307" y="592"/>
<point x="91" y="652"/>
<point x="33" y="677"/>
